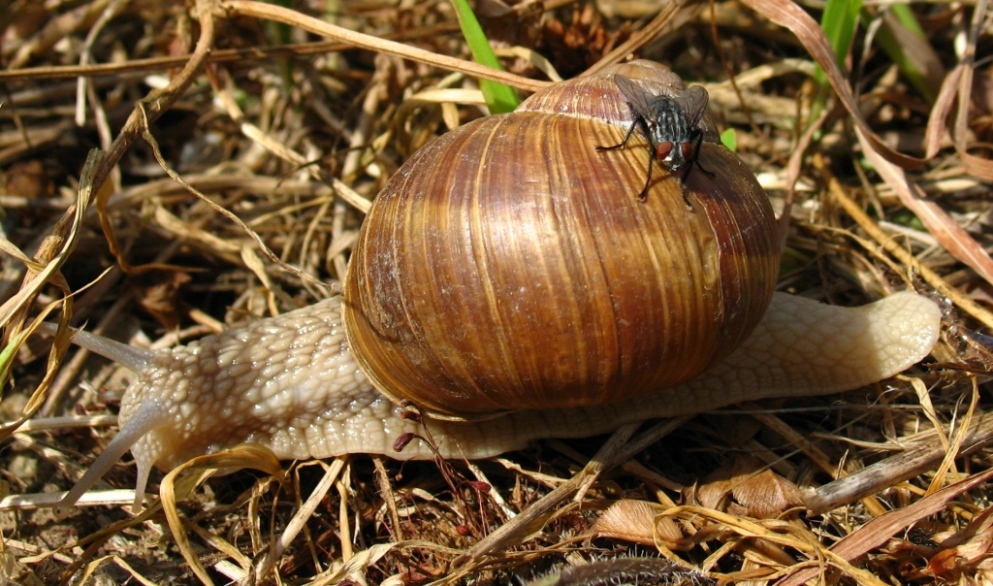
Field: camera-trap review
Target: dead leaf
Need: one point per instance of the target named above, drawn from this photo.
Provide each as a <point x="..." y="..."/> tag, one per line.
<point x="159" y="295"/>
<point x="765" y="495"/>
<point x="966" y="549"/>
<point x="630" y="520"/>
<point x="28" y="179"/>
<point x="743" y="487"/>
<point x="876" y="532"/>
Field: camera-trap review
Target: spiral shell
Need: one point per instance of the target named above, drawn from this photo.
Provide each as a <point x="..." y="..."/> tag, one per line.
<point x="509" y="264"/>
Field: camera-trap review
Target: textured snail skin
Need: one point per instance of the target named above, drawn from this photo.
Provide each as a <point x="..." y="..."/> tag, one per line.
<point x="291" y="383"/>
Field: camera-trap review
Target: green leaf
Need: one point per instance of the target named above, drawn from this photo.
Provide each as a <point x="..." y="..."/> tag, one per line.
<point x="500" y="98"/>
<point x="729" y="138"/>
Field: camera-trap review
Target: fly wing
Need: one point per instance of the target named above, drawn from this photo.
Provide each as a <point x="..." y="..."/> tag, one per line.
<point x="639" y="98"/>
<point x="693" y="102"/>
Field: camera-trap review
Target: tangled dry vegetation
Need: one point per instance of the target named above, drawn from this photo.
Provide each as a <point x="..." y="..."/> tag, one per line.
<point x="240" y="149"/>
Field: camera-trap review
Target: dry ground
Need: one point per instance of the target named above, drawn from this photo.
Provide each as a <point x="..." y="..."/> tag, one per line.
<point x="266" y="123"/>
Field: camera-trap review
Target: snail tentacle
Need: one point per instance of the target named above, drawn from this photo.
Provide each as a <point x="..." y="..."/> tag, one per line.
<point x="134" y="359"/>
<point x="148" y="416"/>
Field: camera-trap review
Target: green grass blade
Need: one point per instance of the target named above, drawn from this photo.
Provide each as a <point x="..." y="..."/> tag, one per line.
<point x="904" y="42"/>
<point x="7" y="357"/>
<point x="839" y="21"/>
<point x="500" y="98"/>
<point x="906" y="17"/>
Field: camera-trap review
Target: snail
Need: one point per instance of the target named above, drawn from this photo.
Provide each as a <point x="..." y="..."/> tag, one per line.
<point x="510" y="284"/>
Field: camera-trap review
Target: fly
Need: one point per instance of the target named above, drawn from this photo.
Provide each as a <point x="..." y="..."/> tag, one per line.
<point x="671" y="124"/>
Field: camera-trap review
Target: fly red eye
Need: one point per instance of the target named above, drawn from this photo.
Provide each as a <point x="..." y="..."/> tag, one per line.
<point x="662" y="150"/>
<point x="689" y="150"/>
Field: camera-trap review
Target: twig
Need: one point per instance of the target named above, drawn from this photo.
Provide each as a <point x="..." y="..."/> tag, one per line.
<point x="922" y="454"/>
<point x="230" y="8"/>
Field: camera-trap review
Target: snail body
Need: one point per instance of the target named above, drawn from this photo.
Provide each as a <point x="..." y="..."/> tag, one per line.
<point x="510" y="268"/>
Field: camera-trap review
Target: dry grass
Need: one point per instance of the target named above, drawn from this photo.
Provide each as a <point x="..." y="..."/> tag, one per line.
<point x="287" y="136"/>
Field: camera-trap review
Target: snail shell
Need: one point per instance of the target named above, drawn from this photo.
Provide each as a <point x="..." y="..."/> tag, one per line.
<point x="509" y="264"/>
